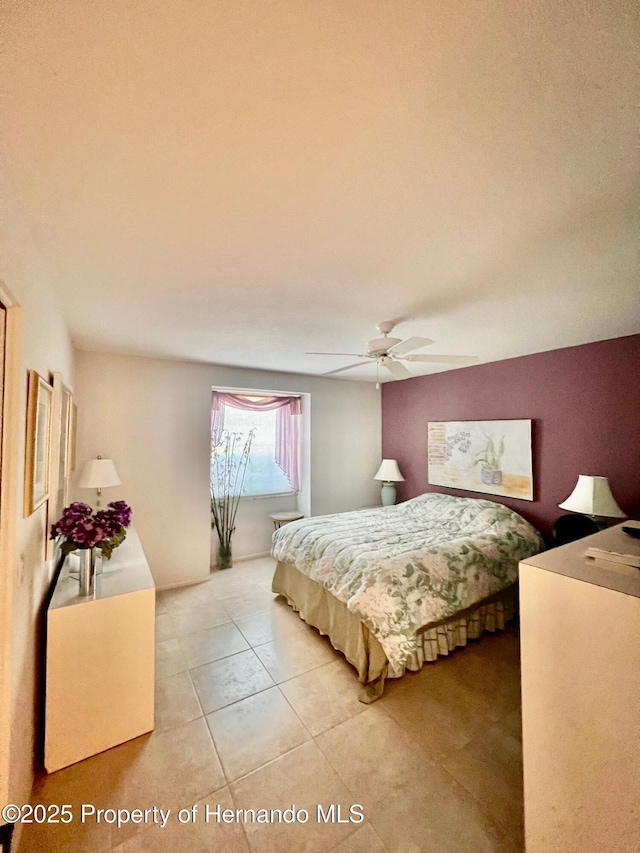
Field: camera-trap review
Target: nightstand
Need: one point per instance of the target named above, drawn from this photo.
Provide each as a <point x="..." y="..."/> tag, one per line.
<point x="280" y="518"/>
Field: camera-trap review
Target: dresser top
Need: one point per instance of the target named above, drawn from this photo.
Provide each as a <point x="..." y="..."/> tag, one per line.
<point x="569" y="560"/>
<point x="126" y="571"/>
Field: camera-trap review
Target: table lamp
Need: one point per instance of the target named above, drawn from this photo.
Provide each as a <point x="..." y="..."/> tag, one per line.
<point x="592" y="497"/>
<point x="389" y="473"/>
<point x="98" y="474"/>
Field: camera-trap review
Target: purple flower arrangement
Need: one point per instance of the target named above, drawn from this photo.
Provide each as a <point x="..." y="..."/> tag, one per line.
<point x="82" y="528"/>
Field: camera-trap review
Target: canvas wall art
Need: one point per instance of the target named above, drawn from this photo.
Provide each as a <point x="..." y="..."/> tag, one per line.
<point x="37" y="445"/>
<point x="493" y="457"/>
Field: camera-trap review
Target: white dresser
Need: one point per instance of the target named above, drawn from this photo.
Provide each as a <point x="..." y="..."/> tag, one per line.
<point x="100" y="658"/>
<point x="580" y="648"/>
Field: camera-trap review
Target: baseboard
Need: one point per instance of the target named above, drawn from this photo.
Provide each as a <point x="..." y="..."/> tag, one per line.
<point x="195" y="581"/>
<point x="251" y="557"/>
<point x="192" y="582"/>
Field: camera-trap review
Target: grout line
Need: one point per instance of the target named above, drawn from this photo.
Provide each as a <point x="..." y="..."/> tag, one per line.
<point x="299" y="718"/>
<point x="235" y="701"/>
<point x="213" y="743"/>
<point x="488" y="812"/>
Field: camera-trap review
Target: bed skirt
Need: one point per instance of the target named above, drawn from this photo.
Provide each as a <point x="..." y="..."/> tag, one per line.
<point x="347" y="633"/>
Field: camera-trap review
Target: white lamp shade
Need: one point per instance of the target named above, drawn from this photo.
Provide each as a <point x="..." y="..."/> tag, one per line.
<point x="98" y="474"/>
<point x="592" y="496"/>
<point x="389" y="472"/>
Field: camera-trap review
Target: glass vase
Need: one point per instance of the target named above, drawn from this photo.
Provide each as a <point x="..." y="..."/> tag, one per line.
<point x="225" y="558"/>
<point x="97" y="561"/>
<point x="87" y="571"/>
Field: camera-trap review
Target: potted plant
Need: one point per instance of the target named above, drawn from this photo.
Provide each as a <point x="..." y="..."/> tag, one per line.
<point x="490" y="458"/>
<point x="229" y="459"/>
<point x="93" y="535"/>
<point x="79" y="527"/>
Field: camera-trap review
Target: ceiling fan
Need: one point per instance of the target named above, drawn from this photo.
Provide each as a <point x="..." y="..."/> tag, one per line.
<point x="391" y="352"/>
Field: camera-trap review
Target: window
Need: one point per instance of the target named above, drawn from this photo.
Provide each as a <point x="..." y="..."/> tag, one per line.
<point x="273" y="421"/>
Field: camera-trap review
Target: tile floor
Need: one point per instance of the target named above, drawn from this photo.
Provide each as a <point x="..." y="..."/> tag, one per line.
<point x="255" y="710"/>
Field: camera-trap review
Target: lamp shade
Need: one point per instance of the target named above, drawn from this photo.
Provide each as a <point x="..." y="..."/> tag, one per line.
<point x="98" y="474"/>
<point x="592" y="496"/>
<point x="389" y="472"/>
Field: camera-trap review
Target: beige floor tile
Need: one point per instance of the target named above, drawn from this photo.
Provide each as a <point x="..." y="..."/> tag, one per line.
<point x="279" y="621"/>
<point x="85" y="782"/>
<point x="482" y="676"/>
<point x="248" y="586"/>
<point x="169" y="769"/>
<point x="229" y="583"/>
<point x="511" y="722"/>
<point x="441" y="717"/>
<point x="363" y="840"/>
<point x="165" y="629"/>
<point x="294" y="654"/>
<point x="212" y="644"/>
<point x="325" y="696"/>
<point x="161" y="604"/>
<point x="463" y="712"/>
<point x="169" y="658"/>
<point x="301" y="778"/>
<point x="412" y="802"/>
<point x="197" y="618"/>
<point x="259" y="570"/>
<point x="255" y="730"/>
<point x="490" y="768"/>
<point x="490" y="671"/>
<point x="443" y="817"/>
<point x="175" y="701"/>
<point x="199" y="836"/>
<point x="373" y="755"/>
<point x="256" y="600"/>
<point x="194" y="595"/>
<point x="228" y="680"/>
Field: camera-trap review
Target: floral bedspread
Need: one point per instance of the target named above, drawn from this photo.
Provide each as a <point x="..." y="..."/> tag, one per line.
<point x="403" y="567"/>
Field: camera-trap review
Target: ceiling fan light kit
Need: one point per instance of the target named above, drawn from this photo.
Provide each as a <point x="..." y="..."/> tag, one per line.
<point x="390" y="353"/>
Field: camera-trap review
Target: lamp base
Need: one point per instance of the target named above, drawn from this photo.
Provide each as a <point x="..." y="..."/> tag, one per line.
<point x="388" y="494"/>
<point x="601" y="520"/>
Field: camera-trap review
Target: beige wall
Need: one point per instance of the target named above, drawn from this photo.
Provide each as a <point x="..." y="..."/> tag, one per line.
<point x="152" y="416"/>
<point x="45" y="347"/>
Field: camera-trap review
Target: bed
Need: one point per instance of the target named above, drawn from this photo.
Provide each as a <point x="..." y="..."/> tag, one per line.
<point x="396" y="586"/>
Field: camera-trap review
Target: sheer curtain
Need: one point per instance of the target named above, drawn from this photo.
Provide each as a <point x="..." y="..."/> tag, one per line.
<point x="287" y="425"/>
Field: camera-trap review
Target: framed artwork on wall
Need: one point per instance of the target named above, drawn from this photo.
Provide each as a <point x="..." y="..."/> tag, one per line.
<point x="60" y="455"/>
<point x="38" y="442"/>
<point x="63" y="467"/>
<point x="493" y="457"/>
<point x="73" y="430"/>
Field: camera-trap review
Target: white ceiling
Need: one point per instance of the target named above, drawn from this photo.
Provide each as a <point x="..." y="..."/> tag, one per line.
<point x="241" y="181"/>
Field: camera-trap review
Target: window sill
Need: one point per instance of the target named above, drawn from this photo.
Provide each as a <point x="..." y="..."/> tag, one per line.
<point x="268" y="495"/>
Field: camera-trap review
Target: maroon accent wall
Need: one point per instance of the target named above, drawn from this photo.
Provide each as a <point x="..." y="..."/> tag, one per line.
<point x="584" y="403"/>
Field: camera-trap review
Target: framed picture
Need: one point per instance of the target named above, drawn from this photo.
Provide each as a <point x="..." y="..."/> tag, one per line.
<point x="63" y="467"/>
<point x="493" y="457"/>
<point x="38" y="442"/>
<point x="73" y="430"/>
<point x="60" y="455"/>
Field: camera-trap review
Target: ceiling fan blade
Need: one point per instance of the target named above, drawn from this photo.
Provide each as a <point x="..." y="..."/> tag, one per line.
<point x="348" y="367"/>
<point x="397" y="370"/>
<point x="409" y="344"/>
<point x="354" y="354"/>
<point x="444" y="359"/>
